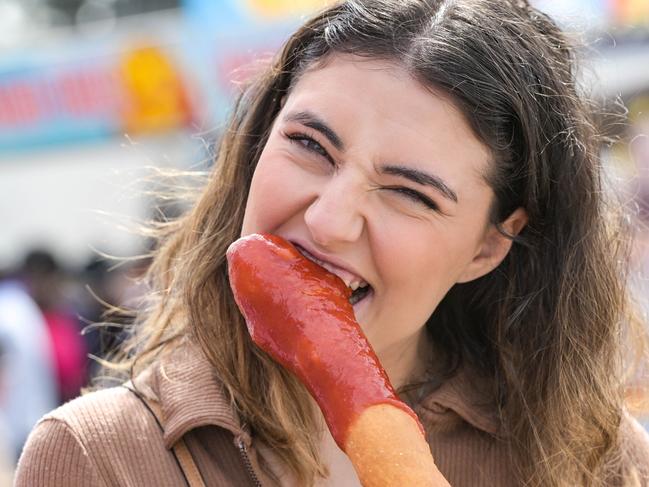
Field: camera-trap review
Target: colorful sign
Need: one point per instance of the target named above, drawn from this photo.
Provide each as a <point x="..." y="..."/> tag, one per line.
<point x="229" y="13"/>
<point x="87" y="91"/>
<point x="138" y="91"/>
<point x="598" y="14"/>
<point x="630" y="12"/>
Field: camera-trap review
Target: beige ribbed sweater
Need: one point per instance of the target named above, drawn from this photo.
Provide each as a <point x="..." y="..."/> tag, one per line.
<point x="110" y="438"/>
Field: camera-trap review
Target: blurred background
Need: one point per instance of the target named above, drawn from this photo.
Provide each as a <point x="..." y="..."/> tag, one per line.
<point x="96" y="95"/>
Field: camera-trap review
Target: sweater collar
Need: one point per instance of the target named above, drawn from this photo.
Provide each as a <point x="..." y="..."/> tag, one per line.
<point x="460" y="397"/>
<point x="191" y="396"/>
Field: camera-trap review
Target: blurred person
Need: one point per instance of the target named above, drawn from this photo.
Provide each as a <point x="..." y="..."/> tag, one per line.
<point x="47" y="283"/>
<point x="439" y="152"/>
<point x="107" y="304"/>
<point x="98" y="291"/>
<point x="28" y="372"/>
<point x="7" y="456"/>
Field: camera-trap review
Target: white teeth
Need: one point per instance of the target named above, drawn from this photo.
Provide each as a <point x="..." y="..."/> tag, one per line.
<point x="350" y="281"/>
<point x="356" y="285"/>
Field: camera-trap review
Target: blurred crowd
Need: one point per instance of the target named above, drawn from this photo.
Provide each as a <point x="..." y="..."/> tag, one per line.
<point x="52" y="325"/>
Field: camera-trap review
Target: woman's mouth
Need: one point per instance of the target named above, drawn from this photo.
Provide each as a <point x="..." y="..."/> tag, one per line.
<point x="360" y="288"/>
<point x="359" y="294"/>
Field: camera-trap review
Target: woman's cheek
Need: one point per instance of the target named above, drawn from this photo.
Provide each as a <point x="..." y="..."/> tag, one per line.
<point x="423" y="260"/>
<point x="280" y="190"/>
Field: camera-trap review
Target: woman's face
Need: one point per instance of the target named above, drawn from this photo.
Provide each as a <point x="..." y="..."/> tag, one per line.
<point x="366" y="170"/>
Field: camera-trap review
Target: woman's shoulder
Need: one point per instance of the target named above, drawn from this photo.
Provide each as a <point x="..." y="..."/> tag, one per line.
<point x="104" y="409"/>
<point x="123" y="435"/>
<point x="80" y="442"/>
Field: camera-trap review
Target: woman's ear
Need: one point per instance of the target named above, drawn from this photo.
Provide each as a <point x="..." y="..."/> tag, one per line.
<point x="494" y="246"/>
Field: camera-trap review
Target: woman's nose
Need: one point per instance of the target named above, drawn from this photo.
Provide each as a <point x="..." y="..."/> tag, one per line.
<point x="335" y="216"/>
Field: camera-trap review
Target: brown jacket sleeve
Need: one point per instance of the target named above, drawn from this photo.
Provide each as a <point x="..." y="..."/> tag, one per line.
<point x="54" y="457"/>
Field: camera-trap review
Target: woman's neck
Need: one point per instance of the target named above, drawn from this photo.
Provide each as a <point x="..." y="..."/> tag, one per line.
<point x="407" y="361"/>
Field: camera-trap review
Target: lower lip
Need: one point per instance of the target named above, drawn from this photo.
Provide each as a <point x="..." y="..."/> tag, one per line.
<point x="361" y="307"/>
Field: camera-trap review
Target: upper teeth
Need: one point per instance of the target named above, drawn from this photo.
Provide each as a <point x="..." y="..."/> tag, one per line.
<point x="351" y="281"/>
<point x="356" y="284"/>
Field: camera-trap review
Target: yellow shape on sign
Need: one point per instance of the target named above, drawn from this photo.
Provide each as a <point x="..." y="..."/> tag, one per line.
<point x="285" y="8"/>
<point x="156" y="98"/>
<point x="632" y="11"/>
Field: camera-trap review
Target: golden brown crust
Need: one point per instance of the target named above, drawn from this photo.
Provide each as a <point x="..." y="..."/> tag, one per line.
<point x="387" y="448"/>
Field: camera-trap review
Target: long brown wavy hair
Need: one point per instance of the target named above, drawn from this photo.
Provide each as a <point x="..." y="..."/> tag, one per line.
<point x="544" y="328"/>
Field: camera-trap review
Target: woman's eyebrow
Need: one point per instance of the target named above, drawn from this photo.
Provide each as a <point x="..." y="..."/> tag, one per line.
<point x="311" y="120"/>
<point x="422" y="178"/>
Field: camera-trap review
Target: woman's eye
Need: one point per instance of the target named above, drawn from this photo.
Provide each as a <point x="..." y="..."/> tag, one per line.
<point x="309" y="144"/>
<point x="415" y="196"/>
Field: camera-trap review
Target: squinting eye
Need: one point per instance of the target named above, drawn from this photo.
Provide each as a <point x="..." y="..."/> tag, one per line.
<point x="309" y="144"/>
<point x="414" y="196"/>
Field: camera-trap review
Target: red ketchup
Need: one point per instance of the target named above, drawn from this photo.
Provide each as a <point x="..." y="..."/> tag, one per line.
<point x="299" y="313"/>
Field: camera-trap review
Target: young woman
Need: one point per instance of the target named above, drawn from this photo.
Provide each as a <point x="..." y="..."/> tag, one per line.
<point x="438" y="151"/>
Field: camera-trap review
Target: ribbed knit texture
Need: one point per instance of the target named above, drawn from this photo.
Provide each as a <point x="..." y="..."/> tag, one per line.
<point x="109" y="438"/>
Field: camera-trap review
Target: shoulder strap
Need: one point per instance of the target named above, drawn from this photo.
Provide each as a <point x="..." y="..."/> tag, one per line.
<point x="179" y="450"/>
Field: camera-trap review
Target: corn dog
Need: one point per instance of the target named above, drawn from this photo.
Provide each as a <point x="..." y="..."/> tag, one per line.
<point x="299" y="313"/>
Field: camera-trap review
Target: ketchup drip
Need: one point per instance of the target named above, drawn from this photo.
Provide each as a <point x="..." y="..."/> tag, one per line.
<point x="299" y="313"/>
